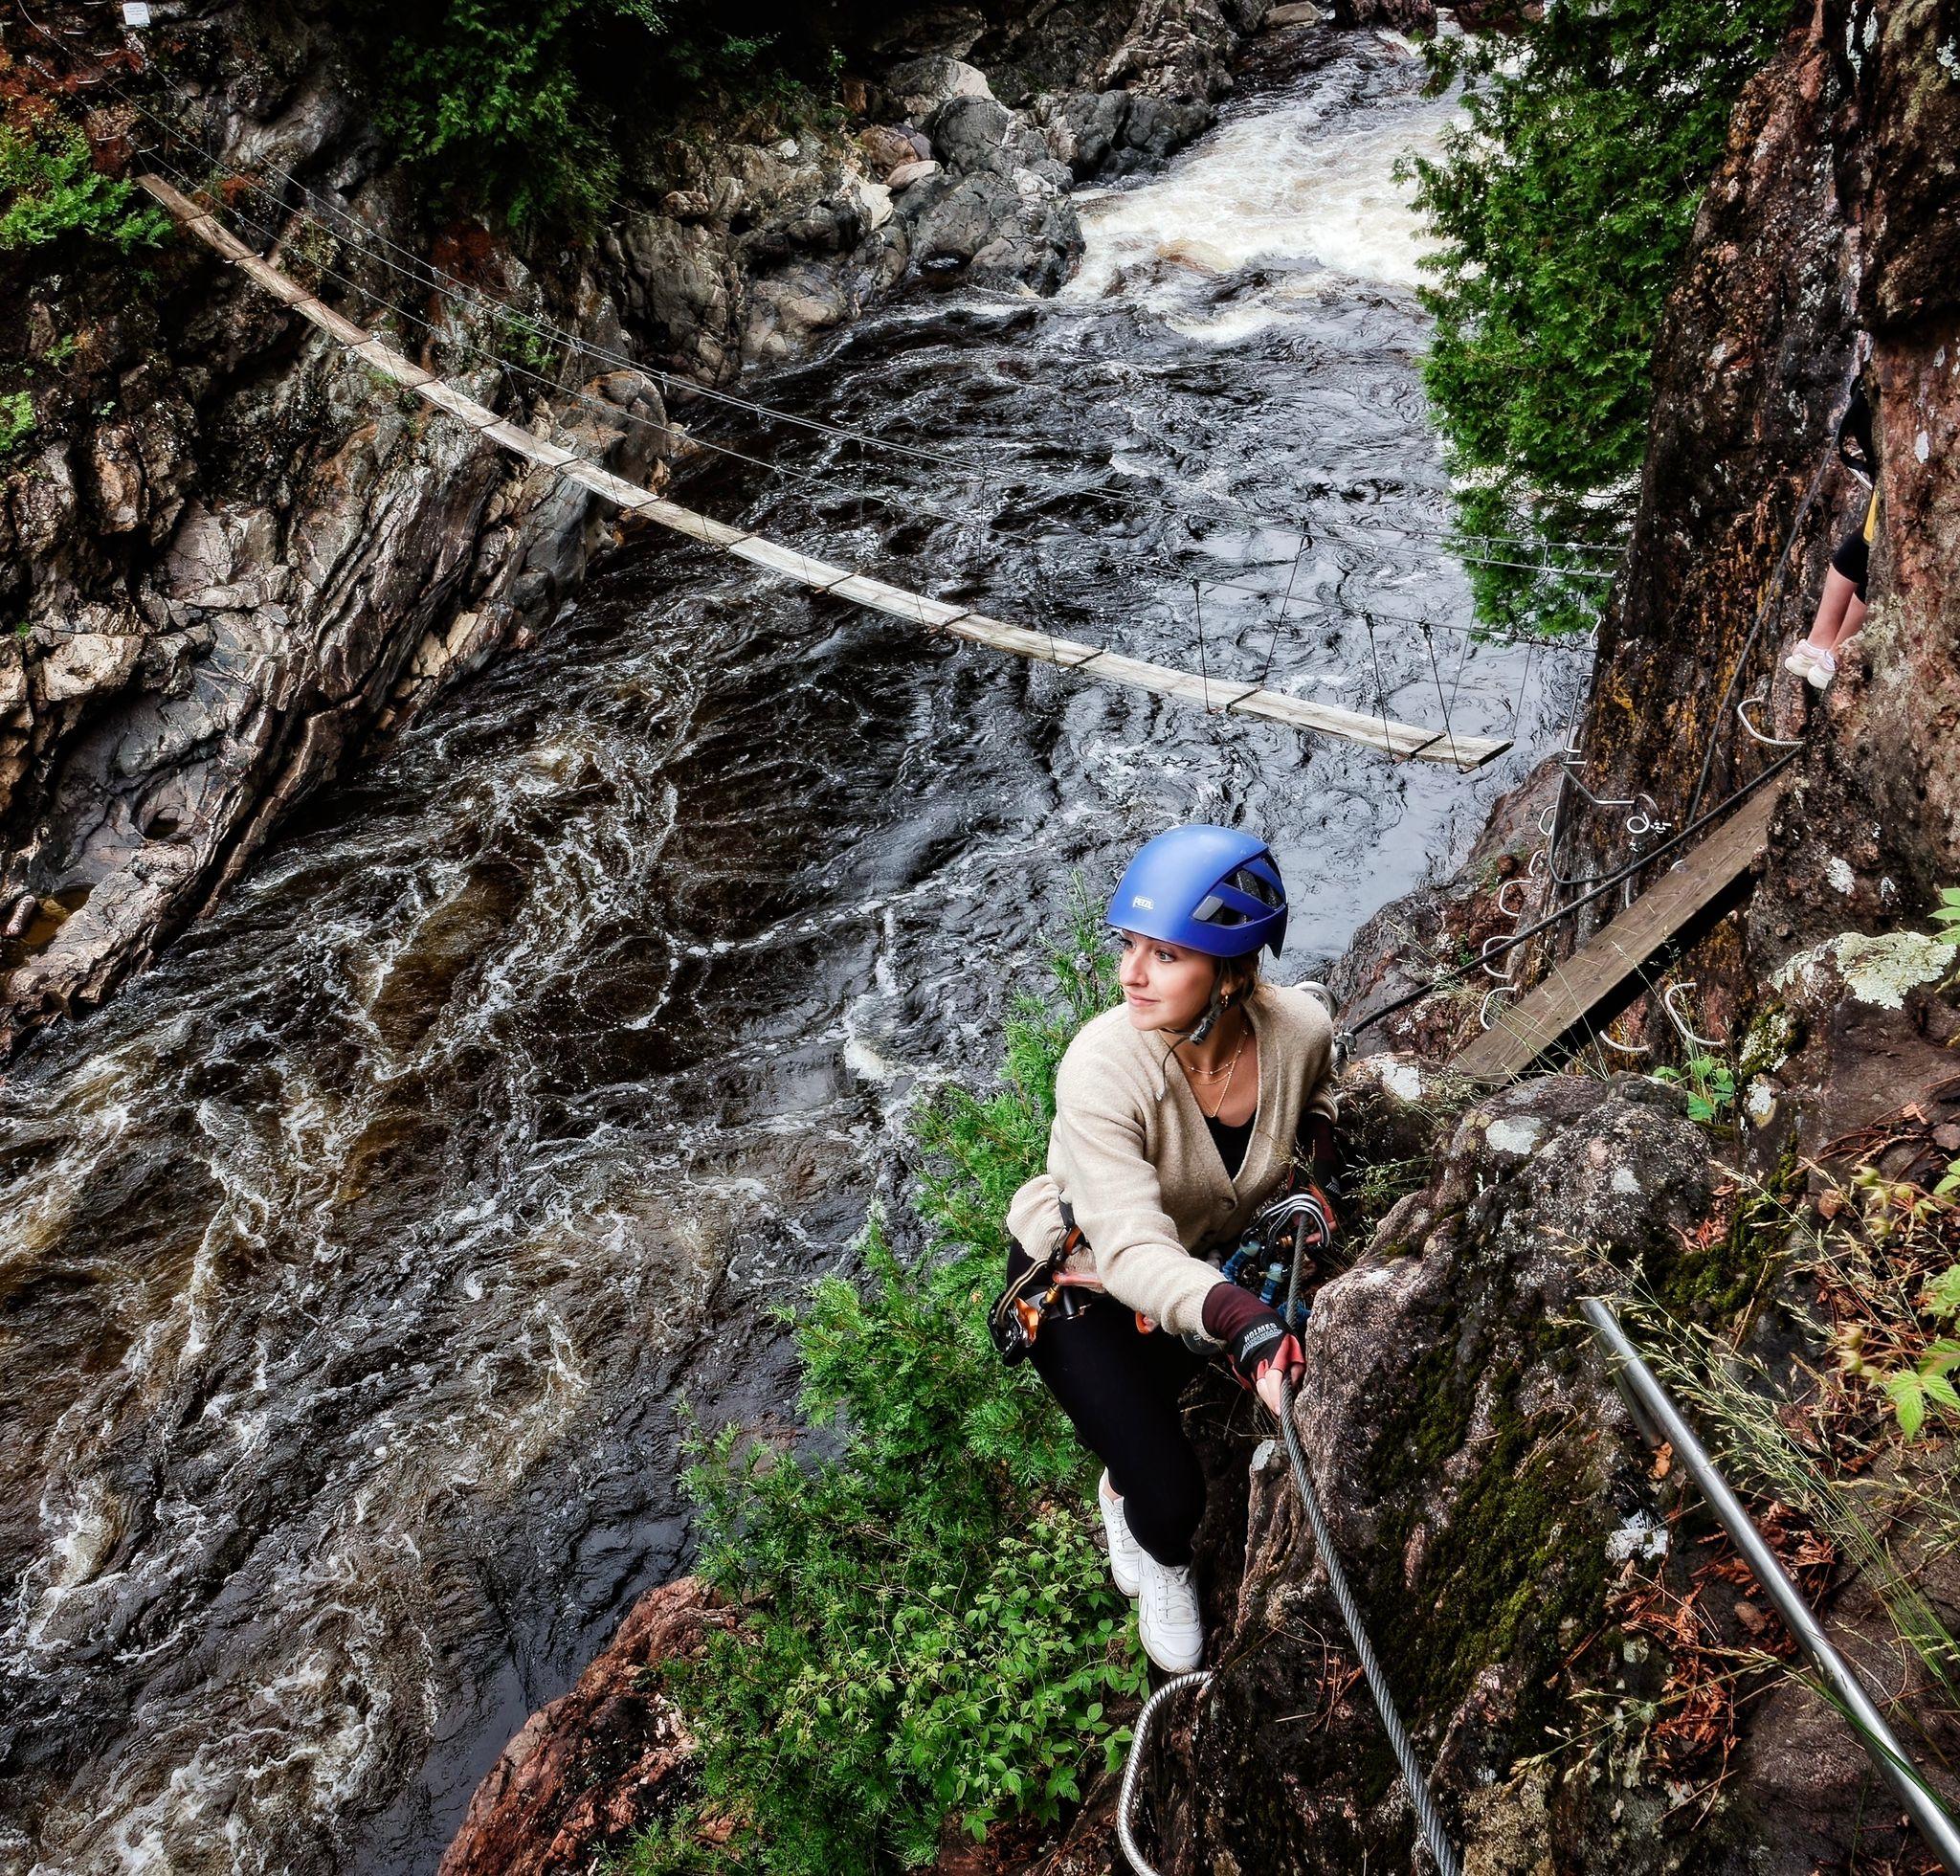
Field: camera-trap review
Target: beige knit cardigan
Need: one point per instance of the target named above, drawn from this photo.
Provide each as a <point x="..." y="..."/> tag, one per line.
<point x="1130" y="1152"/>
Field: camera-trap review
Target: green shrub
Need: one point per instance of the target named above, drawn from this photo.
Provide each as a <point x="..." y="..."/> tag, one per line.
<point x="1562" y="208"/>
<point x="930" y="1629"/>
<point x="49" y="187"/>
<point x="16" y="420"/>
<point x="524" y="109"/>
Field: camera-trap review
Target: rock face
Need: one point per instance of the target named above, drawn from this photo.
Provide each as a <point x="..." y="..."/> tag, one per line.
<point x="600" y="1763"/>
<point x="1516" y="1548"/>
<point x="1482" y="1484"/>
<point x="229" y="566"/>
<point x="1829" y="214"/>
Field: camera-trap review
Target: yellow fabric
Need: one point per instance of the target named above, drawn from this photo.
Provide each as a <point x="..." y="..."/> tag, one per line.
<point x="1871" y="517"/>
<point x="1130" y="1152"/>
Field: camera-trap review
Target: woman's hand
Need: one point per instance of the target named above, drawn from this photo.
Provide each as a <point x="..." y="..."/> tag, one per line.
<point x="1268" y="1385"/>
<point x="1259" y="1348"/>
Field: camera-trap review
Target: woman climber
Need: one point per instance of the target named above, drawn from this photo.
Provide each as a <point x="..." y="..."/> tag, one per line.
<point x="1199" y="1116"/>
<point x="1840" y="611"/>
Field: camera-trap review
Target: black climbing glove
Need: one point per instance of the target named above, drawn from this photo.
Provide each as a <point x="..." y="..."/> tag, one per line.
<point x="1256" y="1337"/>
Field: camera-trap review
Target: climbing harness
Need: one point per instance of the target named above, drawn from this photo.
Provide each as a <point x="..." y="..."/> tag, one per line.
<point x="1015" y="1316"/>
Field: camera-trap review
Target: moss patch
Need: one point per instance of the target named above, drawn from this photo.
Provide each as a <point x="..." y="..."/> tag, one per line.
<point x="1515" y="1559"/>
<point x="1708" y="1280"/>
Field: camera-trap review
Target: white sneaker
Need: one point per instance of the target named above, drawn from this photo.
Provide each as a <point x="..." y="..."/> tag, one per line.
<point x="1823" y="668"/>
<point x="1168" y="1619"/>
<point x="1801" y="657"/>
<point x="1124" y="1550"/>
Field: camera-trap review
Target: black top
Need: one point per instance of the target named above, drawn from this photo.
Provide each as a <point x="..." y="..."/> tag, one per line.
<point x="1230" y="1141"/>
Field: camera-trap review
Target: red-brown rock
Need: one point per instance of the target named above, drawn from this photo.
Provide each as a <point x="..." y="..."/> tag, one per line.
<point x="598" y="1764"/>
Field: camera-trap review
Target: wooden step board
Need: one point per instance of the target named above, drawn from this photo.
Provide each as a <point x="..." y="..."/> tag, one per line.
<point x="1518" y="1035"/>
<point x="1231" y="696"/>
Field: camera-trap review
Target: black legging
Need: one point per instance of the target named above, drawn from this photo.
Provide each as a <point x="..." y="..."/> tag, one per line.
<point x="1119" y="1387"/>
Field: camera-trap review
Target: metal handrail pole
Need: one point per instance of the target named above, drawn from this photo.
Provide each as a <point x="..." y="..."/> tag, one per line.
<point x="1882" y="1746"/>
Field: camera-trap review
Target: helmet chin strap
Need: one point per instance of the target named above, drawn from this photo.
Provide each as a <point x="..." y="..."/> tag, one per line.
<point x="1208" y="1021"/>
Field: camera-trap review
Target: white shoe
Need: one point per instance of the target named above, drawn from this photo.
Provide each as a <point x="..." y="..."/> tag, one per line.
<point x="1811" y="663"/>
<point x="1167" y="1618"/>
<point x="1124" y="1551"/>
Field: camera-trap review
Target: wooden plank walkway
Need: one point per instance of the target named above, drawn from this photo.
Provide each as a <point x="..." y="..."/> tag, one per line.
<point x="1523" y="1032"/>
<point x="1226" y="696"/>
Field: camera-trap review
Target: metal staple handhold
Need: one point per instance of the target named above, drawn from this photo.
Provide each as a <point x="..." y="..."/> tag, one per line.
<point x="1681" y="1022"/>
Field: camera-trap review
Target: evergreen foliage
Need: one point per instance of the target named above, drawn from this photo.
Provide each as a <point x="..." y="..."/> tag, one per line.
<point x="49" y="187"/>
<point x="930" y="1629"/>
<point x="16" y="420"/>
<point x="523" y="108"/>
<point x="1562" y="208"/>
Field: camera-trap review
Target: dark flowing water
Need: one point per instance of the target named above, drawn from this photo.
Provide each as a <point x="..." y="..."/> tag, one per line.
<point x="354" y="1262"/>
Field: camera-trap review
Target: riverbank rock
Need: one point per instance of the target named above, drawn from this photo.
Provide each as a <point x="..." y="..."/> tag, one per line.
<point x="600" y="1763"/>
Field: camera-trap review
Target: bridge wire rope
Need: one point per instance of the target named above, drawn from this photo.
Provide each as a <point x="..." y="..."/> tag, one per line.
<point x="438" y="335"/>
<point x="1272" y="643"/>
<point x="440" y="281"/>
<point x="464" y="341"/>
<point x="1436" y="671"/>
<point x="1197" y="600"/>
<point x="342" y="228"/>
<point x="770" y="469"/>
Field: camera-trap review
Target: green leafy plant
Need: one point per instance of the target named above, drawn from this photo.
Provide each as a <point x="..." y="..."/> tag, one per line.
<point x="1562" y="206"/>
<point x="1711" y="1085"/>
<point x="1912" y="1390"/>
<point x="49" y="188"/>
<point x="16" y="420"/>
<point x="929" y="1629"/>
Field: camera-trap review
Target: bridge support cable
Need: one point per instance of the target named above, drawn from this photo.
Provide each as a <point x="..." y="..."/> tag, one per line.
<point x="1401" y="740"/>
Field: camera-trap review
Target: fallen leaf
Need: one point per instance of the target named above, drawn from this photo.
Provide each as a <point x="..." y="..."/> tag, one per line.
<point x="1750" y="1616"/>
<point x="1663" y="1462"/>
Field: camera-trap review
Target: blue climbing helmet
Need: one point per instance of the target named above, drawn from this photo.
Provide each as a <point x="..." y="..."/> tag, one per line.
<point x="1206" y="888"/>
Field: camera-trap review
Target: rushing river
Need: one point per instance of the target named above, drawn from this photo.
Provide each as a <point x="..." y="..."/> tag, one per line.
<point x="356" y="1261"/>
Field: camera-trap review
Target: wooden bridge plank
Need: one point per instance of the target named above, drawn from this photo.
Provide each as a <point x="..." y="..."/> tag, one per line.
<point x="1220" y="693"/>
<point x="1517" y="1037"/>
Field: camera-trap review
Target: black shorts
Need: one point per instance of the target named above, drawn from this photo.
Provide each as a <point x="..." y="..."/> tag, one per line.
<point x="1853" y="558"/>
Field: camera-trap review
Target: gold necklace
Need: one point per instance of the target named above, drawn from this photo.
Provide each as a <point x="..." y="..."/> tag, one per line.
<point x="1230" y="1068"/>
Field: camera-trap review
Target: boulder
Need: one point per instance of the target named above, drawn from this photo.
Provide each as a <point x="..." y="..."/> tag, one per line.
<point x="909" y="173"/>
<point x="885" y="148"/>
<point x="600" y="1763"/>
<point x="918" y="86"/>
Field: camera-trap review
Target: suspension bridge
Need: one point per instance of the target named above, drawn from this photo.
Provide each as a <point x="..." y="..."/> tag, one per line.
<point x="1223" y="696"/>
